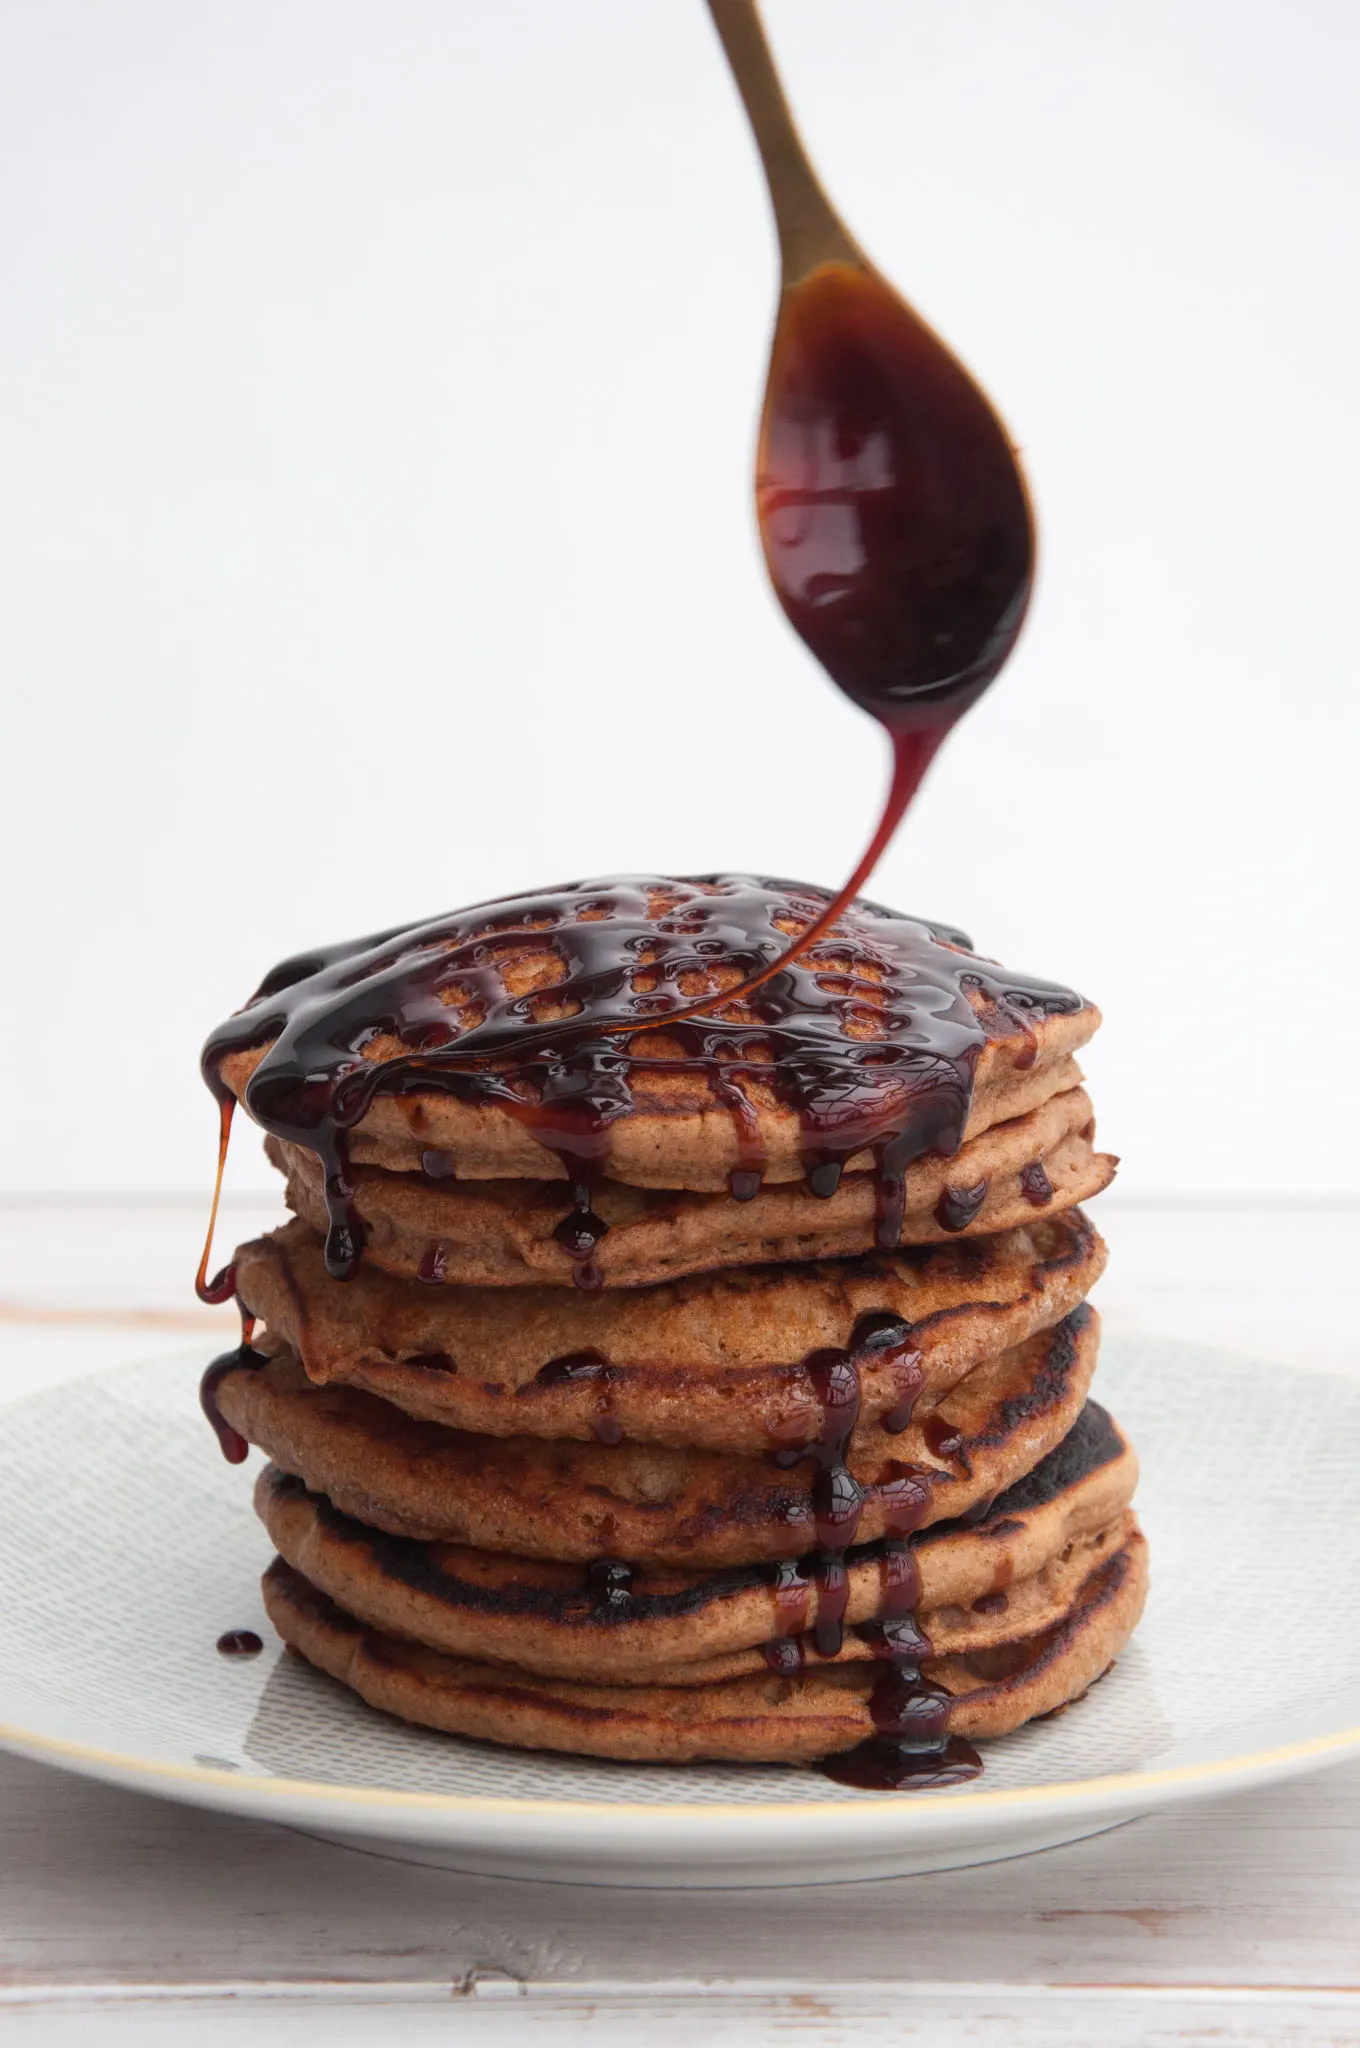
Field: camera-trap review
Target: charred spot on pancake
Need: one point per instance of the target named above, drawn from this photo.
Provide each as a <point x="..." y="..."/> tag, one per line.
<point x="1092" y="1441"/>
<point x="1049" y="1384"/>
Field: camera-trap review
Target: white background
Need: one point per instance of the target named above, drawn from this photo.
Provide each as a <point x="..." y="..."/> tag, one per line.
<point x="377" y="390"/>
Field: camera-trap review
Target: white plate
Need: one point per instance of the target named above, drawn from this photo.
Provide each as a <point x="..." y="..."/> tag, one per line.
<point x="127" y="1546"/>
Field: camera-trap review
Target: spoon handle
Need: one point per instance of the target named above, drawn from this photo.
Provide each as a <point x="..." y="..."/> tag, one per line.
<point x="810" y="230"/>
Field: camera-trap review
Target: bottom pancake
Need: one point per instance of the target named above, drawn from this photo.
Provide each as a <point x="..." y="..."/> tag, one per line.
<point x="821" y="1712"/>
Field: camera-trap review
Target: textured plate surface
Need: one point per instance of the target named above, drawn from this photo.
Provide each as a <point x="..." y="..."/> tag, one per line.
<point x="127" y="1546"/>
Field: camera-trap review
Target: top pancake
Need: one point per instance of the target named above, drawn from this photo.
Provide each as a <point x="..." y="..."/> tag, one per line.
<point x="483" y="1040"/>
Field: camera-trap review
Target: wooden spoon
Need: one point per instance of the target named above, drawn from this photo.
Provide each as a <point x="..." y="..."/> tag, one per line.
<point x="810" y="230"/>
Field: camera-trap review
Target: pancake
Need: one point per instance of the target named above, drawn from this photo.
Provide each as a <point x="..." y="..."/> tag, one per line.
<point x="767" y="1719"/>
<point x="507" y="1038"/>
<point x="502" y="1234"/>
<point x="974" y="1585"/>
<point x="716" y="1361"/>
<point x="661" y="1505"/>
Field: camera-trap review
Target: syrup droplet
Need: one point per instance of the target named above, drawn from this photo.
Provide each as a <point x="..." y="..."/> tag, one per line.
<point x="235" y="1449"/>
<point x="958" y="1207"/>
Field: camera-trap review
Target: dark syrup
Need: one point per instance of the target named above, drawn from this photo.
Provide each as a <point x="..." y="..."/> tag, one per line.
<point x="911" y="1745"/>
<point x="945" y="1439"/>
<point x="235" y="1449"/>
<point x="877" y="1056"/>
<point x="897" y="533"/>
<point x="958" y="1207"/>
<point x="609" y="1585"/>
<point x="893" y="515"/>
<point x="431" y="1267"/>
<point x="573" y="1369"/>
<point x="580" y="1231"/>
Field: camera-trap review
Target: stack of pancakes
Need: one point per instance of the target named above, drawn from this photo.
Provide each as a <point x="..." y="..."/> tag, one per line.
<point x="736" y="1410"/>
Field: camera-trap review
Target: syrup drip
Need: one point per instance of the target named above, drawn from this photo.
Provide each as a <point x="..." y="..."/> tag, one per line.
<point x="837" y="1496"/>
<point x="792" y="1596"/>
<point x="945" y="1439"/>
<point x="911" y="1745"/>
<point x="890" y="1202"/>
<point x="746" y="1176"/>
<point x="872" y="1039"/>
<point x="577" y="1368"/>
<point x="579" y="1234"/>
<point x="609" y="1584"/>
<point x="896" y="1642"/>
<point x="223" y="1286"/>
<point x="235" y="1449"/>
<point x="431" y="1267"/>
<point x="957" y="1207"/>
<point x="911" y="1374"/>
<point x="574" y="1367"/>
<point x="785" y="1655"/>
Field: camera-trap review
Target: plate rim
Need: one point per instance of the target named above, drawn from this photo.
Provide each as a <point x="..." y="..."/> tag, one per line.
<point x="1123" y="1789"/>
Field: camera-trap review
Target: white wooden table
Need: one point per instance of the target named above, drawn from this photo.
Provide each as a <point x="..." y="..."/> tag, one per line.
<point x="127" y="1920"/>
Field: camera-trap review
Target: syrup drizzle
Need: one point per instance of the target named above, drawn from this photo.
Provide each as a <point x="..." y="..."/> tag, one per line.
<point x="957" y="1207"/>
<point x="896" y="529"/>
<point x="609" y="1584"/>
<point x="580" y="1231"/>
<point x="911" y="1743"/>
<point x="223" y="1286"/>
<point x="872" y="1038"/>
<point x="945" y="1439"/>
<point x="431" y="1267"/>
<point x="897" y="534"/>
<point x="574" y="1367"/>
<point x="235" y="1449"/>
